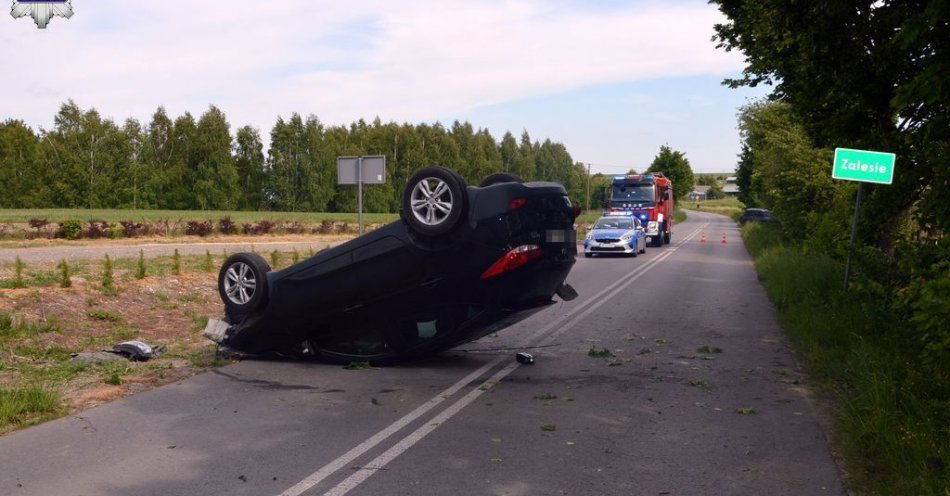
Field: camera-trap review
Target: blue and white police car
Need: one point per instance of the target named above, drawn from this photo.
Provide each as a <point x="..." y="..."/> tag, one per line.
<point x="616" y="232"/>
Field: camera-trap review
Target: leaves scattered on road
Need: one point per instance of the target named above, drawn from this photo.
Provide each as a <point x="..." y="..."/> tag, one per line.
<point x="707" y="350"/>
<point x="599" y="353"/>
<point x="746" y="411"/>
<point x="701" y="384"/>
<point x="548" y="427"/>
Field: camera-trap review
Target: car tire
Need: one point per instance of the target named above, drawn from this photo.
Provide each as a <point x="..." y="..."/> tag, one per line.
<point x="587" y="255"/>
<point x="432" y="191"/>
<point x="498" y="178"/>
<point x="242" y="283"/>
<point x="667" y="237"/>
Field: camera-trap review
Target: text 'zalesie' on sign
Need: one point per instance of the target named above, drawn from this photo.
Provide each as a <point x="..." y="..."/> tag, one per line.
<point x="864" y="166"/>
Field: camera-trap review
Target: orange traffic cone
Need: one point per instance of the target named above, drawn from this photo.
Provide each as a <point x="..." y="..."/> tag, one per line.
<point x="724" y="238"/>
<point x="702" y="239"/>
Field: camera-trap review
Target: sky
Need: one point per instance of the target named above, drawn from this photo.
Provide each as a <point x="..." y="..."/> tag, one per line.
<point x="612" y="80"/>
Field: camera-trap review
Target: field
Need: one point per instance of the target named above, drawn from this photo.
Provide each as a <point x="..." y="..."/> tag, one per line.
<point x="56" y="215"/>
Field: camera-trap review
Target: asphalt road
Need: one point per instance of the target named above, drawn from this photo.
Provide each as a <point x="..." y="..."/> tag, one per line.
<point x="660" y="418"/>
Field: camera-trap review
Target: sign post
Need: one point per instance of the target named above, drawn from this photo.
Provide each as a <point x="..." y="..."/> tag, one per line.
<point x="360" y="170"/>
<point x="864" y="167"/>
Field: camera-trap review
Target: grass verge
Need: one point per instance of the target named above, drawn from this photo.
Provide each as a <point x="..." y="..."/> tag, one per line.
<point x="27" y="405"/>
<point x="892" y="412"/>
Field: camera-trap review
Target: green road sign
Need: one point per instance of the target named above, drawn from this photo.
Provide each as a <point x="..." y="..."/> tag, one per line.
<point x="863" y="166"/>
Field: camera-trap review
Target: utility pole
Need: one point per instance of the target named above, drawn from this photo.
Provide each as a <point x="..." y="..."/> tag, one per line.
<point x="588" y="186"/>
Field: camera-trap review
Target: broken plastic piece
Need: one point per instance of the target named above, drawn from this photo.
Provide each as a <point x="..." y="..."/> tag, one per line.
<point x="525" y="358"/>
<point x="216" y="330"/>
<point x="135" y="350"/>
<point x="566" y="292"/>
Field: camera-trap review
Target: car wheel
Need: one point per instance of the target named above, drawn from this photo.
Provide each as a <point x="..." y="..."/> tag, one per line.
<point x="498" y="178"/>
<point x="587" y="255"/>
<point x="242" y="282"/>
<point x="667" y="238"/>
<point x="434" y="201"/>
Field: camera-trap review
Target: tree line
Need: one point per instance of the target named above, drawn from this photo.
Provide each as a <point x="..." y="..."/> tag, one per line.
<point x="189" y="163"/>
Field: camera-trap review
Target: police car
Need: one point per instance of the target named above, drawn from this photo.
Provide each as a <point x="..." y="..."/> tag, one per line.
<point x="616" y="232"/>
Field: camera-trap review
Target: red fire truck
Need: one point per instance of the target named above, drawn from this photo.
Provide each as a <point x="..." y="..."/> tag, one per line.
<point x="649" y="197"/>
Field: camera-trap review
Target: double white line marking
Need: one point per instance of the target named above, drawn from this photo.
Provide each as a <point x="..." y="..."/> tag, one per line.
<point x="538" y="338"/>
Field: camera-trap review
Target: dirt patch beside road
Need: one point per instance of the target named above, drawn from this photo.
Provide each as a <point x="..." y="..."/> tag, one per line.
<point x="41" y="327"/>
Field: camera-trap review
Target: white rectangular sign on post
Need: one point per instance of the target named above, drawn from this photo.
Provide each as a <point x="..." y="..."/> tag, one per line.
<point x="370" y="169"/>
<point x="374" y="169"/>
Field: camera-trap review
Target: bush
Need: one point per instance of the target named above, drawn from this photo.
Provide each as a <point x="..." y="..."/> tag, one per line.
<point x="108" y="281"/>
<point x="131" y="229"/>
<point x="65" y="280"/>
<point x="176" y="263"/>
<point x="227" y="226"/>
<point x="198" y="228"/>
<point x="97" y="229"/>
<point x="140" y="267"/>
<point x="264" y="227"/>
<point x="208" y="265"/>
<point x="18" y="267"/>
<point x="294" y="227"/>
<point x="38" y="225"/>
<point x="70" y="229"/>
<point x="326" y="227"/>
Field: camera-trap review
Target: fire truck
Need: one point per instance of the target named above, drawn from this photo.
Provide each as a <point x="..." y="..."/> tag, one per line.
<point x="650" y="198"/>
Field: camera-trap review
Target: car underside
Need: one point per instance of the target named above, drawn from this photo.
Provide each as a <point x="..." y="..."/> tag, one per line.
<point x="462" y="262"/>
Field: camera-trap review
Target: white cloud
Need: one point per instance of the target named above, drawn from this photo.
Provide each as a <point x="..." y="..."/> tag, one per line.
<point x="412" y="60"/>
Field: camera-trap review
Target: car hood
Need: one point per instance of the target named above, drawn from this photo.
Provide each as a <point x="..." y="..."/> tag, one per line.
<point x="609" y="233"/>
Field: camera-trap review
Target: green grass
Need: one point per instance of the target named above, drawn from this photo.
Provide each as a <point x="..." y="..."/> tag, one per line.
<point x="104" y="315"/>
<point x="12" y="327"/>
<point x="27" y="405"/>
<point x="730" y="206"/>
<point x="57" y="215"/>
<point x="679" y="215"/>
<point x="892" y="411"/>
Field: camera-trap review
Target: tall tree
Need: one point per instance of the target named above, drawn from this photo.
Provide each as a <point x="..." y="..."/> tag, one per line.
<point x="859" y="74"/>
<point x="674" y="165"/>
<point x="249" y="163"/>
<point x="215" y="176"/>
<point x="21" y="178"/>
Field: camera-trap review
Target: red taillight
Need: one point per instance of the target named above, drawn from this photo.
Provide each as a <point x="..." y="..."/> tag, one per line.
<point x="516" y="204"/>
<point x="512" y="260"/>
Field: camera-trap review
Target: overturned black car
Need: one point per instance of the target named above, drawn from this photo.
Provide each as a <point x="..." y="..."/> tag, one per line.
<point x="461" y="263"/>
